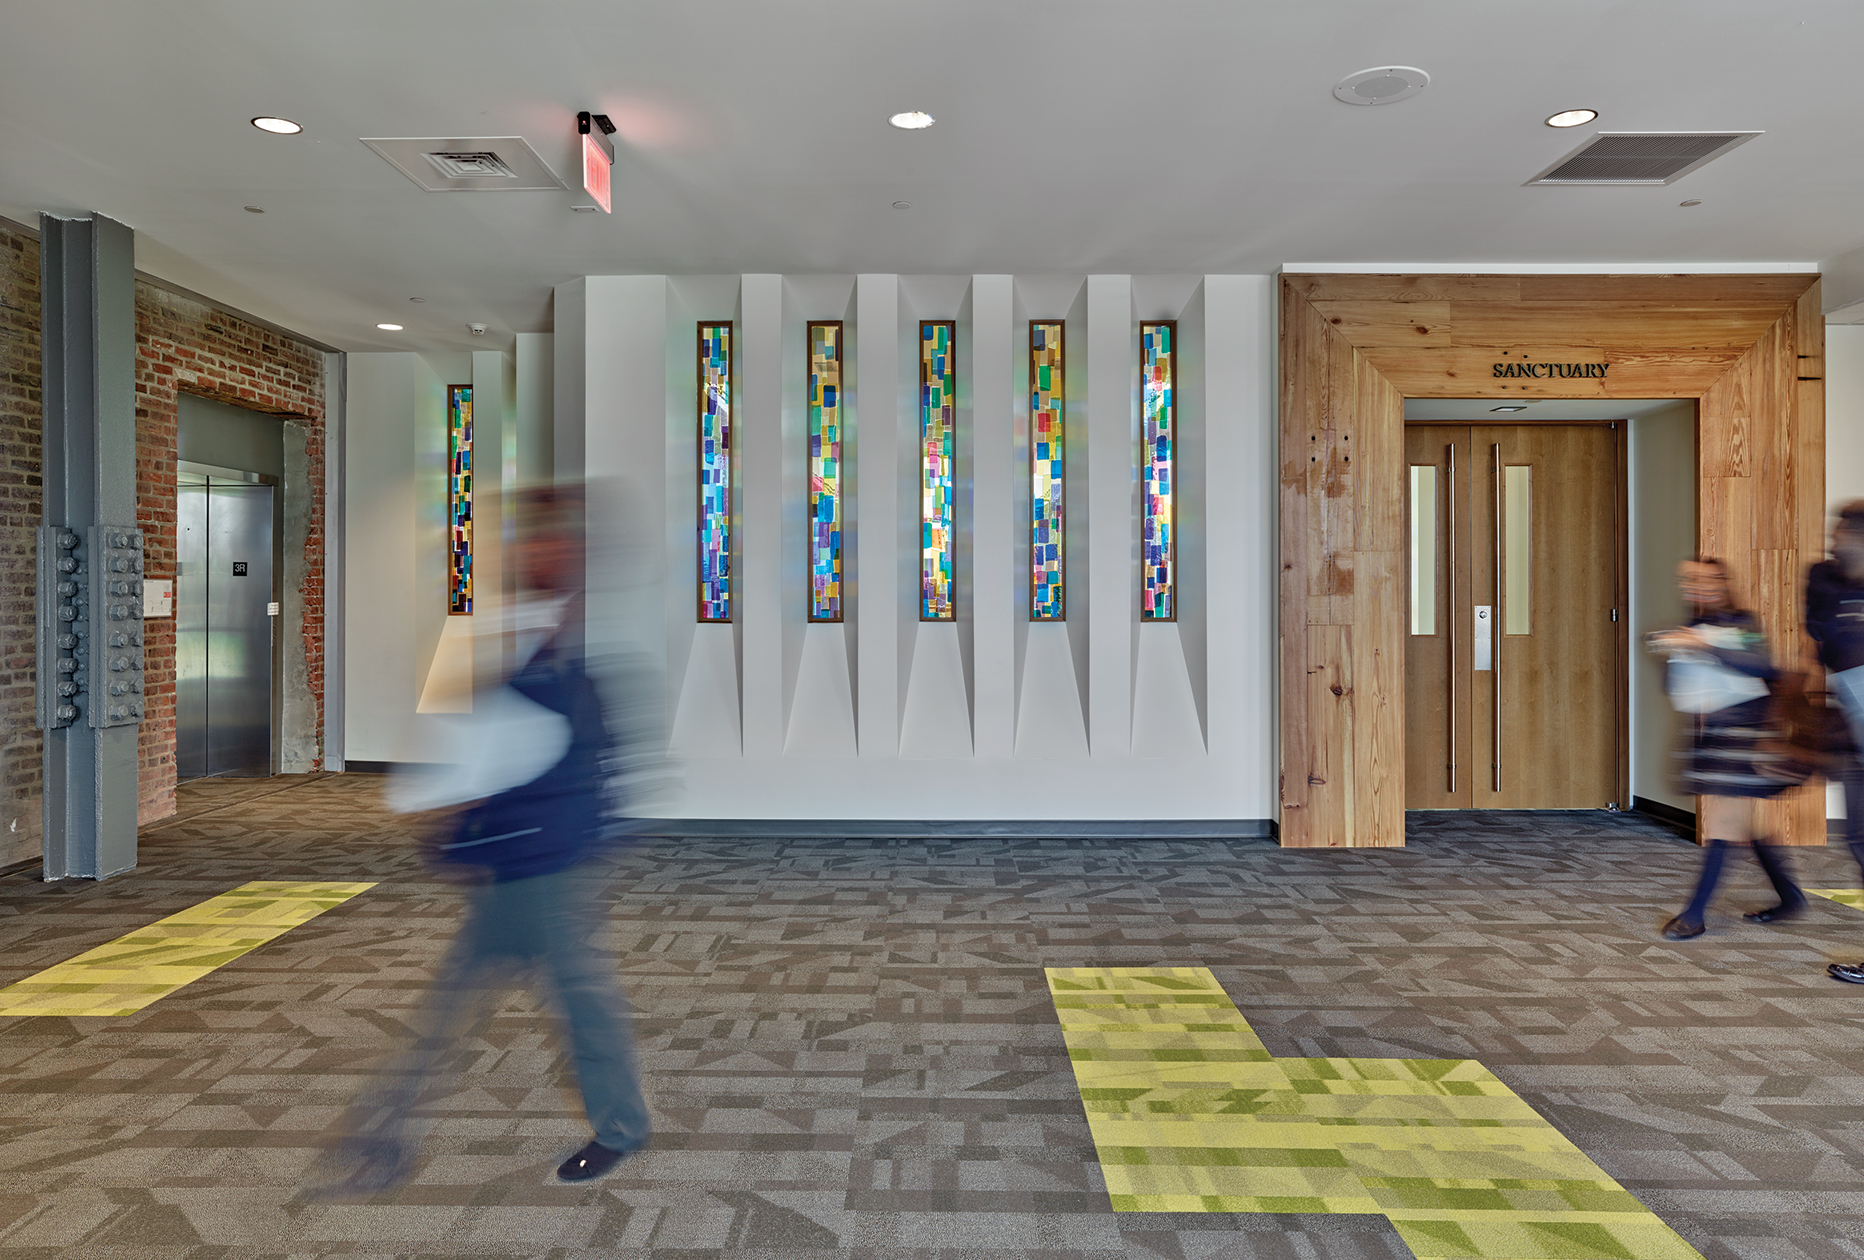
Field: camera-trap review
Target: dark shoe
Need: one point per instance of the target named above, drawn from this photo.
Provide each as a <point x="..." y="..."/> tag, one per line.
<point x="1850" y="973"/>
<point x="1678" y="929"/>
<point x="1772" y="859"/>
<point x="592" y="1161"/>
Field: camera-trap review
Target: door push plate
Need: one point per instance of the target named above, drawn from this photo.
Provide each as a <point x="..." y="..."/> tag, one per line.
<point x="1482" y="653"/>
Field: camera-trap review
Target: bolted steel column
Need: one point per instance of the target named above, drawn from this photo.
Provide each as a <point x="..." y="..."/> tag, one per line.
<point x="90" y="561"/>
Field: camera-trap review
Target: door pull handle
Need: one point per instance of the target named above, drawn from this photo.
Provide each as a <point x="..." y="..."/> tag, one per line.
<point x="1496" y="681"/>
<point x="1449" y="622"/>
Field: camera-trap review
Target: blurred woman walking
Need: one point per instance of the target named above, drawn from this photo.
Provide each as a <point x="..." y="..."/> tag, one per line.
<point x="1719" y="671"/>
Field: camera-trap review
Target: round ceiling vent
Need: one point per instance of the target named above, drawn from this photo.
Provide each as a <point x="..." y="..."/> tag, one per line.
<point x="1381" y="85"/>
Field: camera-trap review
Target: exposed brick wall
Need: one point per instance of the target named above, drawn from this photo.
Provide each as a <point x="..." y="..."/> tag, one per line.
<point x="183" y="346"/>
<point x="20" y="504"/>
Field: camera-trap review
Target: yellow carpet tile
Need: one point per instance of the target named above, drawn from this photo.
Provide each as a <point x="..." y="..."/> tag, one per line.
<point x="1190" y="1113"/>
<point x="134" y="970"/>
<point x="1853" y="897"/>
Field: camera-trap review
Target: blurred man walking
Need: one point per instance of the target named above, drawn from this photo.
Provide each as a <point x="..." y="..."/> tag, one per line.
<point x="1835" y="620"/>
<point x="537" y="749"/>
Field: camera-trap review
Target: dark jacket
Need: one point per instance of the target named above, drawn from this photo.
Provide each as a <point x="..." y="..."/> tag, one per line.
<point x="552" y="822"/>
<point x="1835" y="616"/>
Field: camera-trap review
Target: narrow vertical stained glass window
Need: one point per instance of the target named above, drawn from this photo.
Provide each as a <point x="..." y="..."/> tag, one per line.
<point x="459" y="499"/>
<point x="825" y="471"/>
<point x="1047" y="401"/>
<point x="715" y="472"/>
<point x="1158" y="539"/>
<point x="938" y="432"/>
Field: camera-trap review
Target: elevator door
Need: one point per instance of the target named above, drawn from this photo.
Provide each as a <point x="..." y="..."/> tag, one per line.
<point x="223" y="629"/>
<point x="1514" y="658"/>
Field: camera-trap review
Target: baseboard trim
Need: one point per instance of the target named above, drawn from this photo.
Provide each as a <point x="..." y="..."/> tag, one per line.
<point x="1834" y="827"/>
<point x="961" y="829"/>
<point x="1664" y="813"/>
<point x="930" y="828"/>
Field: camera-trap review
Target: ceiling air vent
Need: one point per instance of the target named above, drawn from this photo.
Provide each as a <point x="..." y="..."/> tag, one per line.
<point x="486" y="164"/>
<point x="470" y="165"/>
<point x="1643" y="157"/>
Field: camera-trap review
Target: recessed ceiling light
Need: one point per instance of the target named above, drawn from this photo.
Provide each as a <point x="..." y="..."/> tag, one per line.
<point x="255" y="209"/>
<point x="389" y="327"/>
<point x="1507" y="408"/>
<point x="1381" y="85"/>
<point x="902" y="205"/>
<point x="912" y="120"/>
<point x="1693" y="201"/>
<point x="277" y="126"/>
<point x="1572" y="118"/>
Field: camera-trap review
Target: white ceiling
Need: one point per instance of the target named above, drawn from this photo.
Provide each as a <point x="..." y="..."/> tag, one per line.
<point x="1073" y="136"/>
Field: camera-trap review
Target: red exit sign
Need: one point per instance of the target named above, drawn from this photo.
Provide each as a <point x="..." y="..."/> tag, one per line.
<point x="598" y="156"/>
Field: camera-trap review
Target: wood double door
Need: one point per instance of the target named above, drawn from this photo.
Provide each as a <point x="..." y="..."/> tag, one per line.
<point x="1515" y="649"/>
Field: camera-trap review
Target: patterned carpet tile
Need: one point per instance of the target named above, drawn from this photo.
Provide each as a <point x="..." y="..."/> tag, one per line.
<point x="852" y="1050"/>
<point x="151" y="962"/>
<point x="1460" y="1165"/>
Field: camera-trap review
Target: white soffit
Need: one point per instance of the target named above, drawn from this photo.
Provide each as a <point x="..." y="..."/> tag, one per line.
<point x="485" y="164"/>
<point x="1551" y="269"/>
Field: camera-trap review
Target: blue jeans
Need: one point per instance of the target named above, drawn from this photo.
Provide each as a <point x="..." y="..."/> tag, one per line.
<point x="553" y="923"/>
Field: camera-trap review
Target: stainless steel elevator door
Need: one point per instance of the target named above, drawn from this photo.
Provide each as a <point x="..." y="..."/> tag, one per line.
<point x="223" y="630"/>
<point x="191" y="629"/>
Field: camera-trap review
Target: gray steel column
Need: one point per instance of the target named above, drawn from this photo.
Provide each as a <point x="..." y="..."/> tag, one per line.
<point x="88" y="285"/>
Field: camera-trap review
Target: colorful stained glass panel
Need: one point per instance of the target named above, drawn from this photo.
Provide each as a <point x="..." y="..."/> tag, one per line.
<point x="1047" y="465"/>
<point x="825" y="420"/>
<point x="459" y="499"/>
<point x="938" y="433"/>
<point x="715" y="472"/>
<point x="1158" y="542"/>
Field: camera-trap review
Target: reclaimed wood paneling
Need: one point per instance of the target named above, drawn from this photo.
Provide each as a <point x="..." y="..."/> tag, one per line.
<point x="1403" y="325"/>
<point x="1750" y="349"/>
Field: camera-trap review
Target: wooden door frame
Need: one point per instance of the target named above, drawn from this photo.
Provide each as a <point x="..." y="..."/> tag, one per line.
<point x="1749" y="349"/>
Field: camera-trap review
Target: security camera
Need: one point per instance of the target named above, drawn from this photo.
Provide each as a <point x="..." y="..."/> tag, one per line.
<point x="478" y="330"/>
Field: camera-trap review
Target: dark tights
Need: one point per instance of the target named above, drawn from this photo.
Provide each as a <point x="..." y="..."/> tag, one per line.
<point x="1772" y="860"/>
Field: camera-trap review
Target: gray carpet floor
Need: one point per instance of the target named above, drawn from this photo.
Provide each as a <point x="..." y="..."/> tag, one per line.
<point x="851" y="1051"/>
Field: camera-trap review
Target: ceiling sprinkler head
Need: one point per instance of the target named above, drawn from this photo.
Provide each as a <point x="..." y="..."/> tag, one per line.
<point x="478" y="330"/>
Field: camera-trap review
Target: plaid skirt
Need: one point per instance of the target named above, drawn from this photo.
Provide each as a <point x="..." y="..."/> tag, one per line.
<point x="1727" y="753"/>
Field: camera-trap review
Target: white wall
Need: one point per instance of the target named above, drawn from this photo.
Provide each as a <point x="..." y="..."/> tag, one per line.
<point x="395" y="532"/>
<point x="885" y="717"/>
<point x="390" y="397"/>
<point x="1844" y="442"/>
<point x="1662" y="485"/>
<point x="1844" y="413"/>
